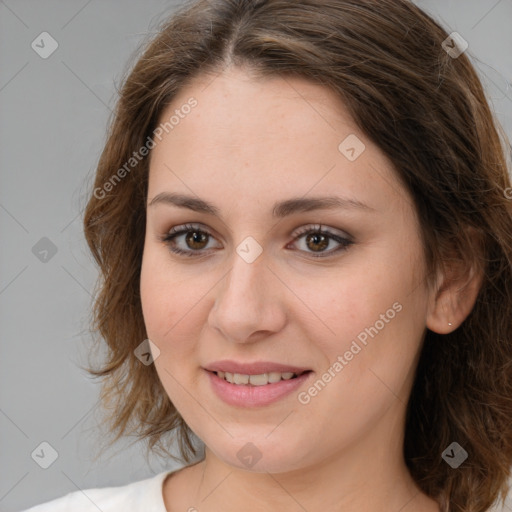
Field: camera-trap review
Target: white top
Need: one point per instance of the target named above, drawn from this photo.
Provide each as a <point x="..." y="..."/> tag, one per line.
<point x="141" y="496"/>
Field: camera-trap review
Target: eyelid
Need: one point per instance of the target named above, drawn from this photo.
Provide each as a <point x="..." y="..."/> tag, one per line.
<point x="189" y="226"/>
<point x="321" y="228"/>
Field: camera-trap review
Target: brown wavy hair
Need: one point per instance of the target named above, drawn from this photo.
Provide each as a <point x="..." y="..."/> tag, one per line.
<point x="429" y="115"/>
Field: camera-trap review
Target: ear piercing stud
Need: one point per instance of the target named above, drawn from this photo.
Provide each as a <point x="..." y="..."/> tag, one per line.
<point x="449" y="323"/>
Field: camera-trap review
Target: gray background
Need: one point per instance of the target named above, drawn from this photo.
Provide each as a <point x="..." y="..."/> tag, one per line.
<point x="53" y="119"/>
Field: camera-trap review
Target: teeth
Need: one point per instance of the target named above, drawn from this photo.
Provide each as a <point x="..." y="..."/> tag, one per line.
<point x="274" y="377"/>
<point x="241" y="379"/>
<point x="258" y="380"/>
<point x="255" y="380"/>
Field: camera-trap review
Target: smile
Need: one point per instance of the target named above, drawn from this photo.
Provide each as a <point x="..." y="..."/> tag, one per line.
<point x="261" y="379"/>
<point x="258" y="390"/>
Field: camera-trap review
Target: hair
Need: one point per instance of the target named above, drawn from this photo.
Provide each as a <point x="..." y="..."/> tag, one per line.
<point x="428" y="113"/>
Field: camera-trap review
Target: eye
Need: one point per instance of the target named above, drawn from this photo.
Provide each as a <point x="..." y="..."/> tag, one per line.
<point x="195" y="240"/>
<point x="317" y="240"/>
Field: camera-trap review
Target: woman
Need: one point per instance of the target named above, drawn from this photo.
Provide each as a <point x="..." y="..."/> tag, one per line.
<point x="302" y="220"/>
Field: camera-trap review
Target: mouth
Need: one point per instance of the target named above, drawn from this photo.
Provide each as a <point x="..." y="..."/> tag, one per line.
<point x="257" y="388"/>
<point x="261" y="379"/>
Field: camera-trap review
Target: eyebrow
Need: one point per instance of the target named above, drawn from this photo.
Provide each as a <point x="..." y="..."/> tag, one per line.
<point x="280" y="209"/>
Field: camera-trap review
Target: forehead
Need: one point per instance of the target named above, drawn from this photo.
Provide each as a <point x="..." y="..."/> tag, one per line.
<point x="266" y="139"/>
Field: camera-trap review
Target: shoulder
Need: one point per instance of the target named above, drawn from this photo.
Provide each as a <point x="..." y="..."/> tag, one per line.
<point x="144" y="495"/>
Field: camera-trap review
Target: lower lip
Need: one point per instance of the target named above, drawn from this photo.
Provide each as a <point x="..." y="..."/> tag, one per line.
<point x="243" y="395"/>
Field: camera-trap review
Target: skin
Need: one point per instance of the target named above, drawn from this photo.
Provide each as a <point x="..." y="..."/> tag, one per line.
<point x="249" y="143"/>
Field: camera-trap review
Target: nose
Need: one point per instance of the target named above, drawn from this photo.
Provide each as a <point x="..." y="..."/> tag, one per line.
<point x="248" y="305"/>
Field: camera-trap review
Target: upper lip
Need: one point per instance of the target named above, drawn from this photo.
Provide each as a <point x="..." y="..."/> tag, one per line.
<point x="254" y="368"/>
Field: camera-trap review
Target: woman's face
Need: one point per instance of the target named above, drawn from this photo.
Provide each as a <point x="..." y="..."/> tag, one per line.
<point x="260" y="289"/>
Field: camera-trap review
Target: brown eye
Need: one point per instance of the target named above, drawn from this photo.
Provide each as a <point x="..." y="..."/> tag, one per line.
<point x="196" y="239"/>
<point x="187" y="240"/>
<point x="317" y="241"/>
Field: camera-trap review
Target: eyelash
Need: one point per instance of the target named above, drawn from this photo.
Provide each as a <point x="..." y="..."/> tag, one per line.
<point x="169" y="237"/>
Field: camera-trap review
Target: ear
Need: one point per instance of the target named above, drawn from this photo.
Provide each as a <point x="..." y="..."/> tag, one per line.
<point x="454" y="296"/>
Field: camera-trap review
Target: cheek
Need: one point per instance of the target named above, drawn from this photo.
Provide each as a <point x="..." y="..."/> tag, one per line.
<point x="173" y="299"/>
<point x="154" y="298"/>
<point x="343" y="303"/>
<point x="162" y="298"/>
<point x="168" y="310"/>
<point x="370" y="315"/>
<point x="164" y="294"/>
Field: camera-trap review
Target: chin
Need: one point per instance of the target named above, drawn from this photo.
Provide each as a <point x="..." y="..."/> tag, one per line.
<point x="258" y="454"/>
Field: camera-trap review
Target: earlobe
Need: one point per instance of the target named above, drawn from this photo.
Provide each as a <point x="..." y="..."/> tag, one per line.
<point x="452" y="302"/>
